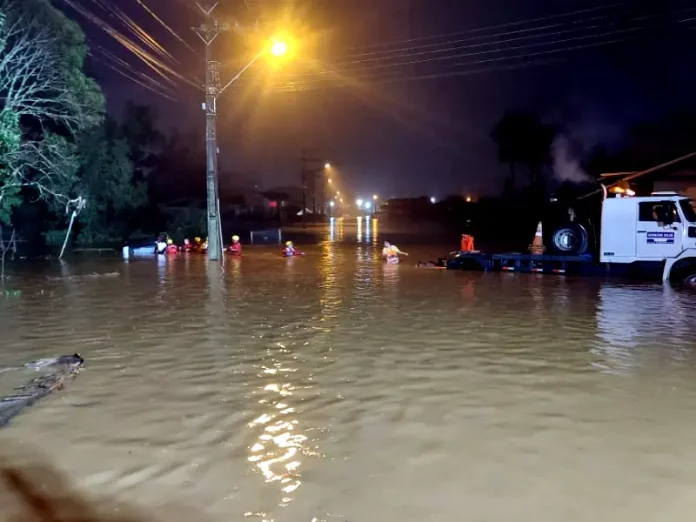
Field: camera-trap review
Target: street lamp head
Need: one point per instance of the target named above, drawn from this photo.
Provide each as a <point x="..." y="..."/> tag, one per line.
<point x="359" y="202"/>
<point x="279" y="48"/>
<point x="330" y="180"/>
<point x="331" y="203"/>
<point x="327" y="166"/>
<point x="375" y="197"/>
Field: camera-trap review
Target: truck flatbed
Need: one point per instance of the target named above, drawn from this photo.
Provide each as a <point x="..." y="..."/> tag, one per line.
<point x="518" y="262"/>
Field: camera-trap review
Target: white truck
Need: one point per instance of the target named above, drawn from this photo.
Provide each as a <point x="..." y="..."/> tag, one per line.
<point x="651" y="237"/>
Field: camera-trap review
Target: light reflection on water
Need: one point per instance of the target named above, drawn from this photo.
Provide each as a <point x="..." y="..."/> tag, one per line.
<point x="335" y="386"/>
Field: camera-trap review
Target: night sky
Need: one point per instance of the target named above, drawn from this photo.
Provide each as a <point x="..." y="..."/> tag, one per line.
<point x="398" y="133"/>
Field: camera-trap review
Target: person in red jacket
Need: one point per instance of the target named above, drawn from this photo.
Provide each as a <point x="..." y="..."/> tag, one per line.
<point x="171" y="247"/>
<point x="187" y="246"/>
<point x="235" y="249"/>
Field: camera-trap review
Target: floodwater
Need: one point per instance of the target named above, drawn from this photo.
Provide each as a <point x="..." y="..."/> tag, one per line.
<point x="334" y="388"/>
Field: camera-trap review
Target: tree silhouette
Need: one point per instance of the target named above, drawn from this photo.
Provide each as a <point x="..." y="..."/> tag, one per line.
<point x="523" y="139"/>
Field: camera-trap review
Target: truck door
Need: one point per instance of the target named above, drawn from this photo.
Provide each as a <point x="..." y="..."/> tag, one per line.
<point x="660" y="231"/>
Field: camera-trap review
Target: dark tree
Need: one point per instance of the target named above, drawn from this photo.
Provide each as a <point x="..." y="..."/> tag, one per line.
<point x="523" y="140"/>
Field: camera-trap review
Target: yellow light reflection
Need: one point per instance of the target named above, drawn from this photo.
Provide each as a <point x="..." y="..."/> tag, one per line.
<point x="279" y="446"/>
<point x="330" y="271"/>
<point x="359" y="234"/>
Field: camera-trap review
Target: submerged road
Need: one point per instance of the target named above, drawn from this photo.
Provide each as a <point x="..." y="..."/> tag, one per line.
<point x="335" y="388"/>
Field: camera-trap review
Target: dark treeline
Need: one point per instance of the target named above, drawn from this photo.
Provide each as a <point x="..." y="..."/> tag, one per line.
<point x="64" y="162"/>
<point x="128" y="169"/>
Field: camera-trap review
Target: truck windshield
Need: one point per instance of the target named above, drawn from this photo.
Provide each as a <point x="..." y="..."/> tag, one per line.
<point x="687" y="207"/>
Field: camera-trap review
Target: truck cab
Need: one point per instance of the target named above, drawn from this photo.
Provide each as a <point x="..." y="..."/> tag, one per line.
<point x="659" y="230"/>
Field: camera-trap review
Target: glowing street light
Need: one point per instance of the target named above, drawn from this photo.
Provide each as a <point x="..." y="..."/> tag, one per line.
<point x="468" y="199"/>
<point x="327" y="166"/>
<point x="330" y="180"/>
<point x="359" y="202"/>
<point x="279" y="48"/>
<point x="332" y="203"/>
<point x="375" y="197"/>
<point x="432" y="200"/>
<point x="368" y="205"/>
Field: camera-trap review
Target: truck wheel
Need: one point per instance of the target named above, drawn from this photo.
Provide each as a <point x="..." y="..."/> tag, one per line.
<point x="684" y="274"/>
<point x="687" y="277"/>
<point x="690" y="280"/>
<point x="570" y="239"/>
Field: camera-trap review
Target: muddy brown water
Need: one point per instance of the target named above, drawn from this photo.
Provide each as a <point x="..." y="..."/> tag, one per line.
<point x="334" y="388"/>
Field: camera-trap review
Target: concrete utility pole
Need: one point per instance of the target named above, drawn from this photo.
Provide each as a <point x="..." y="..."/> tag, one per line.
<point x="208" y="32"/>
<point x="309" y="172"/>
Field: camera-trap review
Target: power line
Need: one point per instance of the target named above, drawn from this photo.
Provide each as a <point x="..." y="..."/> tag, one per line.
<point x="145" y="77"/>
<point x="450" y="74"/>
<point x="138" y="31"/>
<point x="442" y="53"/>
<point x="389" y="52"/>
<point x="157" y="65"/>
<point x="488" y="44"/>
<point x="458" y="71"/>
<point x="321" y="76"/>
<point x="163" y="24"/>
<point x="497" y="26"/>
<point x="126" y="74"/>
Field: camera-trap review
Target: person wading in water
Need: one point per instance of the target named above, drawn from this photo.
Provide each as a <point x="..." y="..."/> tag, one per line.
<point x="391" y="253"/>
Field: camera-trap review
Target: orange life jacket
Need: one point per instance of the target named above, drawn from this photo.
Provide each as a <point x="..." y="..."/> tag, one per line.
<point x="467" y="243"/>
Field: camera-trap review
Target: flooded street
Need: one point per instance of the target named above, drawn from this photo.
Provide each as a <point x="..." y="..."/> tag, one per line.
<point x="334" y="388"/>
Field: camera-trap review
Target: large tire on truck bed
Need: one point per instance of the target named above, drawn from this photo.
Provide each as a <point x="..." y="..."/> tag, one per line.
<point x="569" y="239"/>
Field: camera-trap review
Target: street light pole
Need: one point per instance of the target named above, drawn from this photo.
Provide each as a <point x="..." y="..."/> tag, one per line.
<point x="309" y="173"/>
<point x="208" y="32"/>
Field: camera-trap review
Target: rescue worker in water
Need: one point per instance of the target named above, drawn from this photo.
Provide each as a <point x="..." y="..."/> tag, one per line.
<point x="390" y="253"/>
<point x="290" y="250"/>
<point x="171" y="247"/>
<point x="235" y="249"/>
<point x="161" y="244"/>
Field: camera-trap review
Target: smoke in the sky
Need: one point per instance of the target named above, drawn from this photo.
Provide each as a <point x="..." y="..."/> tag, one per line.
<point x="579" y="137"/>
<point x="566" y="164"/>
